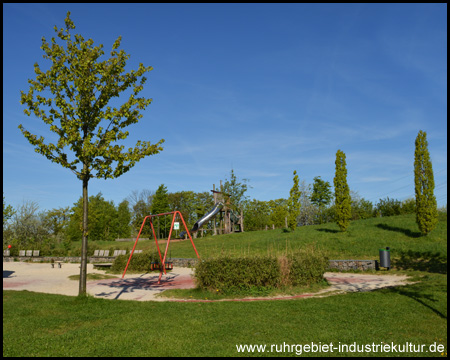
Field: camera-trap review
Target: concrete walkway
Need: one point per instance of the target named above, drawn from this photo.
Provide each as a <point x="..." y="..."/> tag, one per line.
<point x="39" y="277"/>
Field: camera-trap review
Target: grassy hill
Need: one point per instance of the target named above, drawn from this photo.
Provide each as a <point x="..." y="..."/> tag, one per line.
<point x="361" y="241"/>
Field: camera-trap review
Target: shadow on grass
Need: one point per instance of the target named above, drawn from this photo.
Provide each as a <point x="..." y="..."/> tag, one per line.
<point x="421" y="261"/>
<point x="329" y="231"/>
<point x="407" y="232"/>
<point x="416" y="295"/>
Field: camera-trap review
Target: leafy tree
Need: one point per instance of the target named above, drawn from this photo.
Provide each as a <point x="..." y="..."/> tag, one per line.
<point x="8" y="212"/>
<point x="141" y="204"/>
<point x="361" y="208"/>
<point x="204" y="202"/>
<point x="236" y="190"/>
<point x="388" y="207"/>
<point x="27" y="227"/>
<point x="78" y="88"/>
<point x="426" y="205"/>
<point x="409" y="206"/>
<point x="185" y="203"/>
<point x="278" y="212"/>
<point x="107" y="220"/>
<point x="309" y="213"/>
<point x="321" y="195"/>
<point x="123" y="220"/>
<point x="256" y="214"/>
<point x="160" y="205"/>
<point x="56" y="221"/>
<point x="342" y="193"/>
<point x="102" y="219"/>
<point x="294" y="203"/>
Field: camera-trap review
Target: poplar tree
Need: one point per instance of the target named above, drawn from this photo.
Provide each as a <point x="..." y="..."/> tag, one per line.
<point x="426" y="205"/>
<point x="72" y="97"/>
<point x="342" y="193"/>
<point x="294" y="203"/>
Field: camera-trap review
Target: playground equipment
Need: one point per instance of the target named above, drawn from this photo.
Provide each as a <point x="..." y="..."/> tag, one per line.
<point x="208" y="216"/>
<point x="230" y="221"/>
<point x="163" y="259"/>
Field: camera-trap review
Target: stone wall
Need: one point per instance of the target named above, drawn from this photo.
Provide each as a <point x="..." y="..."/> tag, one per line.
<point x="342" y="265"/>
<point x="183" y="262"/>
<point x="67" y="259"/>
<point x="333" y="264"/>
<point x="353" y="265"/>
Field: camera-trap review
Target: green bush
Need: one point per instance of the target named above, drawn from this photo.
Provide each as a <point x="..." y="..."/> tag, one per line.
<point x="59" y="252"/>
<point x="388" y="207"/>
<point x="305" y="267"/>
<point x="409" y="206"/>
<point x="250" y="274"/>
<point x="139" y="262"/>
<point x="233" y="275"/>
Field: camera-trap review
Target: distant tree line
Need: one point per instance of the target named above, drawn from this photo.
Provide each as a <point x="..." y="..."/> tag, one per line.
<point x="26" y="225"/>
<point x="259" y="214"/>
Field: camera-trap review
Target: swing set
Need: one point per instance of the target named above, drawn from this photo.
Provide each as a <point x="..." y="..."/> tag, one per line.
<point x="163" y="259"/>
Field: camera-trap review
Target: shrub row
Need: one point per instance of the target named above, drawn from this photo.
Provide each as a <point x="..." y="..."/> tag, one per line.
<point x="139" y="262"/>
<point x="231" y="275"/>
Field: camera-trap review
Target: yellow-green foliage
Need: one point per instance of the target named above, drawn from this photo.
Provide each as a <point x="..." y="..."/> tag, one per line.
<point x="231" y="275"/>
<point x="426" y="205"/>
<point x="294" y="204"/>
<point x="342" y="193"/>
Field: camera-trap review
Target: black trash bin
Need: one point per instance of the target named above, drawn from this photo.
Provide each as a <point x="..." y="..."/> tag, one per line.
<point x="385" y="258"/>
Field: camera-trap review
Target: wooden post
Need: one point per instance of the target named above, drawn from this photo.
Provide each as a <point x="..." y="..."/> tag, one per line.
<point x="215" y="202"/>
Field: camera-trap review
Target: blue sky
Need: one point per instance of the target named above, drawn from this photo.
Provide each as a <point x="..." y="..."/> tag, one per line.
<point x="264" y="89"/>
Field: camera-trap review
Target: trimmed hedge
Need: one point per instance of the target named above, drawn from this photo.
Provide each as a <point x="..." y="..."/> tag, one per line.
<point x="232" y="275"/>
<point x="139" y="262"/>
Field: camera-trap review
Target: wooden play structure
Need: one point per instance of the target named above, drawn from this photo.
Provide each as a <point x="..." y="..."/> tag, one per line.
<point x="230" y="221"/>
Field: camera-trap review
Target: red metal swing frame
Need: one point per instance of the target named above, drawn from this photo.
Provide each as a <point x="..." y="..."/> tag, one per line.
<point x="163" y="259"/>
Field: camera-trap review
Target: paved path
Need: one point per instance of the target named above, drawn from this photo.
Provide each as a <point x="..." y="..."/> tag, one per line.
<point x="43" y="278"/>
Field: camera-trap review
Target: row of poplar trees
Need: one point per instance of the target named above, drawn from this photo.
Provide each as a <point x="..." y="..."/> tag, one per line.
<point x="342" y="196"/>
<point x="426" y="204"/>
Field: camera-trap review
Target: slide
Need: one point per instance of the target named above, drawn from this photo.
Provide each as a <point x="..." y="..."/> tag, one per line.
<point x="208" y="216"/>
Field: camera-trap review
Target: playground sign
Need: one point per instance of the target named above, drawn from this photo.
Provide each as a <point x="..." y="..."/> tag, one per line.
<point x="176" y="225"/>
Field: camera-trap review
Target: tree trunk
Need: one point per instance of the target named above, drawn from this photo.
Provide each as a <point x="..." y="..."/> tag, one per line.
<point x="83" y="266"/>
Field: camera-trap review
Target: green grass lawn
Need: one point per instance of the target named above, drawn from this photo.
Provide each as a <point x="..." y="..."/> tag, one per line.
<point x="90" y="277"/>
<point x="361" y="241"/>
<point x="55" y="325"/>
<point x="52" y="325"/>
